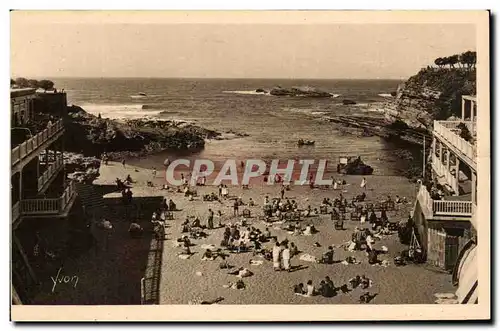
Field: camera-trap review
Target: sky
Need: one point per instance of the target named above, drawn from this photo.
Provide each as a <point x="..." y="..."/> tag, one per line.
<point x="67" y="46"/>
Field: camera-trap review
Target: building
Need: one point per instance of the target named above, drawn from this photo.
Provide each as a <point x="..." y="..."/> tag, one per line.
<point x="42" y="198"/>
<point x="445" y="209"/>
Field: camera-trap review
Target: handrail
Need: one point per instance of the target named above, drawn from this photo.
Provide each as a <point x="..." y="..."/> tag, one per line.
<point x="23" y="150"/>
<point x="51" y="170"/>
<point x="48" y="206"/>
<point x="445" y="129"/>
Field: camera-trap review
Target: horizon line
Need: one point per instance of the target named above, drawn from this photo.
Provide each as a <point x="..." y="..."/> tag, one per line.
<point x="235" y="78"/>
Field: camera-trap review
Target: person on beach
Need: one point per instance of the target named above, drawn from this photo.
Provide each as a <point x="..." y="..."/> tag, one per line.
<point x="285" y="257"/>
<point x="282" y="191"/>
<point x="310" y="290"/>
<point x="276" y="256"/>
<point x="299" y="289"/>
<point x="328" y="256"/>
<point x="235" y="208"/>
<point x="171" y="205"/>
<point x="293" y="250"/>
<point x="154" y="172"/>
<point x="363" y="183"/>
<point x="129" y="196"/>
<point x="220" y="190"/>
<point x="210" y="222"/>
<point x="225" y="191"/>
<point x="123" y="162"/>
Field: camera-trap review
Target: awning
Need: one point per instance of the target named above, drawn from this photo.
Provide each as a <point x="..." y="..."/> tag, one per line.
<point x="467" y="292"/>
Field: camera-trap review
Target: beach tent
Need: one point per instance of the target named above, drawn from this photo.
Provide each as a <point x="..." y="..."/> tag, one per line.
<point x="465" y="274"/>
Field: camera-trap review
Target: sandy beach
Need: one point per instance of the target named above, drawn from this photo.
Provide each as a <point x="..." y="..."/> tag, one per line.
<point x="183" y="281"/>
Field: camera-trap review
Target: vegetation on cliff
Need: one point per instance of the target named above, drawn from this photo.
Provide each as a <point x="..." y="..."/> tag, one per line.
<point x="435" y="92"/>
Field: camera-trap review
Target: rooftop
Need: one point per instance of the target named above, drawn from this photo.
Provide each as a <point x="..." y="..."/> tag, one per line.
<point x="19" y="92"/>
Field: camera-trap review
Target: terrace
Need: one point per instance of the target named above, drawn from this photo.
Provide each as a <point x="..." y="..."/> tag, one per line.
<point x="58" y="206"/>
<point x="24" y="152"/>
<point x="449" y="206"/>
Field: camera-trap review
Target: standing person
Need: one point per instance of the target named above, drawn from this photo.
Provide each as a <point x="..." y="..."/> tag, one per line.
<point x="363" y="183"/>
<point x="210" y="222"/>
<point x="282" y="191"/>
<point x="154" y="172"/>
<point x="236" y="206"/>
<point x="276" y="256"/>
<point x="123" y="162"/>
<point x="220" y="190"/>
<point x="285" y="257"/>
<point x="129" y="196"/>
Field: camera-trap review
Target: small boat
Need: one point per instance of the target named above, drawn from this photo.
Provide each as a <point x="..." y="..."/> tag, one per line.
<point x="142" y="94"/>
<point x="303" y="142"/>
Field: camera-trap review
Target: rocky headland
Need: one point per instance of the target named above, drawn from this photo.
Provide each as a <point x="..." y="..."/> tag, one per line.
<point x="91" y="135"/>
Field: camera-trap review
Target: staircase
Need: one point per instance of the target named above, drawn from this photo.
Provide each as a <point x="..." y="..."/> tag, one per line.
<point x="92" y="200"/>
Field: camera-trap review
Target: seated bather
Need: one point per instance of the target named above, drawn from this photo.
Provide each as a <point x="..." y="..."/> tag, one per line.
<point x="251" y="203"/>
<point x="310" y="289"/>
<point x="293" y="249"/>
<point x="208" y="256"/>
<point x="310" y="229"/>
<point x="299" y="289"/>
<point x="196" y="223"/>
<point x="328" y="256"/>
<point x="128" y="180"/>
<point x="171" y="205"/>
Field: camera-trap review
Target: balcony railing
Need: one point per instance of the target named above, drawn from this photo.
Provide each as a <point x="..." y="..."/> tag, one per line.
<point x="48" y="206"/>
<point x="443" y="207"/>
<point x="52" y="169"/>
<point x="23" y="150"/>
<point x="443" y="171"/>
<point x="449" y="131"/>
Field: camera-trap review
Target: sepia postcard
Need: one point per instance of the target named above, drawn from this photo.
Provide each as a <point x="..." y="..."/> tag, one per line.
<point x="270" y="165"/>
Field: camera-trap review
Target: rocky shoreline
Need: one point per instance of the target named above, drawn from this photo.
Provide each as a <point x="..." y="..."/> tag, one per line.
<point x="91" y="135"/>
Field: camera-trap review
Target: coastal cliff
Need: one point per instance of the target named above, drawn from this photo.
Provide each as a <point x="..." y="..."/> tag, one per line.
<point x="91" y="135"/>
<point x="431" y="94"/>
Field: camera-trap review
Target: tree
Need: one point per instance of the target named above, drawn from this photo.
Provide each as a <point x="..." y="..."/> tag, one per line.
<point x="33" y="83"/>
<point x="22" y="82"/>
<point x="46" y="84"/>
<point x="469" y="59"/>
<point x="452" y="60"/>
<point x="439" y="62"/>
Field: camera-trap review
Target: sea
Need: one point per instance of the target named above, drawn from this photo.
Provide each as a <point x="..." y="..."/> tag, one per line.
<point x="273" y="124"/>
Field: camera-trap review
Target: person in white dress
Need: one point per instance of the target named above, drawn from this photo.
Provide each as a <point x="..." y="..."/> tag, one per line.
<point x="363" y="183"/>
<point x="276" y="257"/>
<point x="285" y="257"/>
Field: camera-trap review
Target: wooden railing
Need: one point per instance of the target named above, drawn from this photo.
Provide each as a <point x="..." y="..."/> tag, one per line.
<point x="51" y="170"/>
<point x="442" y="170"/>
<point x="15" y="211"/>
<point x="48" y="206"/>
<point x="20" y="152"/>
<point x="443" y="207"/>
<point x="449" y="131"/>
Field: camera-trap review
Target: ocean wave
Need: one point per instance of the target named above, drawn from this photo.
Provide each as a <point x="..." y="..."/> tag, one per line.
<point x="118" y="111"/>
<point x="385" y="95"/>
<point x="252" y="92"/>
<point x="336" y="95"/>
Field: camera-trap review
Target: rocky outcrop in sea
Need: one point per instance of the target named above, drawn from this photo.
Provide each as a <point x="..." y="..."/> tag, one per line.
<point x="299" y="92"/>
<point x="92" y="135"/>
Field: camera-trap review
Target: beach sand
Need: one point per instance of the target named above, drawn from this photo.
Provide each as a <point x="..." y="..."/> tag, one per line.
<point x="180" y="281"/>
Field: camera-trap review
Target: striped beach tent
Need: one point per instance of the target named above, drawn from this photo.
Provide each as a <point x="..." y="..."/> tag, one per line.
<point x="465" y="274"/>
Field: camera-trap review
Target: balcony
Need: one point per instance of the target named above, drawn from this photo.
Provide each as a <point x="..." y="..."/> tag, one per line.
<point x="433" y="207"/>
<point x="52" y="170"/>
<point x="25" y="149"/>
<point x="448" y="132"/>
<point x="57" y="206"/>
